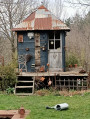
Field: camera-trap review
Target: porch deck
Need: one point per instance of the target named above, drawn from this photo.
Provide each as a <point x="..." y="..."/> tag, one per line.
<point x="52" y="74"/>
<point x="60" y="80"/>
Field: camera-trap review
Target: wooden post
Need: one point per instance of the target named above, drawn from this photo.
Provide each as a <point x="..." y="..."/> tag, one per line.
<point x="69" y="83"/>
<point x="64" y="83"/>
<point x="55" y="81"/>
<point x="15" y="86"/>
<point x="52" y="80"/>
<point x="33" y="84"/>
<point x="82" y="84"/>
<point x="73" y="84"/>
<point x="87" y="83"/>
<point x="77" y="84"/>
<point x="60" y="83"/>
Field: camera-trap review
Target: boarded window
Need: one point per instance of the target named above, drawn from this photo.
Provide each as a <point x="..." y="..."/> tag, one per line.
<point x="20" y="38"/>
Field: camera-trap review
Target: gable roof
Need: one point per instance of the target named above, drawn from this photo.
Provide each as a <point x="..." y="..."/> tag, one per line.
<point x="41" y="19"/>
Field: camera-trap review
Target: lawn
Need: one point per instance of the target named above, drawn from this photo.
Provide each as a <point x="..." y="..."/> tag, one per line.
<point x="79" y="106"/>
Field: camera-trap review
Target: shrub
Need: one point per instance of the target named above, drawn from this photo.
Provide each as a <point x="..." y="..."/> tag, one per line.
<point x="8" y="76"/>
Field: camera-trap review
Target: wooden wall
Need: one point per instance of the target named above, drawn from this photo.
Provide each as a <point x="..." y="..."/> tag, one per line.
<point x="33" y="49"/>
<point x="39" y="56"/>
<point x="44" y="53"/>
<point x="27" y="43"/>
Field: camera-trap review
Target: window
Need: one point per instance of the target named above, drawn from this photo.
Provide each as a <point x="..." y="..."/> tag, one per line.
<point x="51" y="44"/>
<point x="57" y="34"/>
<point x="51" y="35"/>
<point x="57" y="44"/>
<point x="54" y="40"/>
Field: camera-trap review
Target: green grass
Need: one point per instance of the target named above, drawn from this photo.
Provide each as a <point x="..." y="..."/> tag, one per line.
<point x="79" y="106"/>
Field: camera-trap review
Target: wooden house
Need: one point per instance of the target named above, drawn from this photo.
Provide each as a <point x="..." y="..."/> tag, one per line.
<point x="41" y="44"/>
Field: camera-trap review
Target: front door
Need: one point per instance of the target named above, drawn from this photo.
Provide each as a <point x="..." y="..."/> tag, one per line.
<point x="55" y="51"/>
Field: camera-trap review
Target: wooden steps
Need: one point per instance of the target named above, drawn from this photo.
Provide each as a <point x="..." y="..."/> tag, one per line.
<point x="26" y="81"/>
<point x="24" y="94"/>
<point x="24" y="86"/>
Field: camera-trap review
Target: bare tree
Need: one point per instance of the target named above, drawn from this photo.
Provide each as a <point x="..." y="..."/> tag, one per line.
<point x="79" y="2"/>
<point x="12" y="12"/>
<point x="78" y="40"/>
<point x="59" y="8"/>
<point x="45" y="2"/>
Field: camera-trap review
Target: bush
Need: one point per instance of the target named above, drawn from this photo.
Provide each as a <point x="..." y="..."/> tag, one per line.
<point x="8" y="76"/>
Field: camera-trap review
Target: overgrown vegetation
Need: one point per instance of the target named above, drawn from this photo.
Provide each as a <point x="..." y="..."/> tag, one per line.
<point x="8" y="75"/>
<point x="71" y="59"/>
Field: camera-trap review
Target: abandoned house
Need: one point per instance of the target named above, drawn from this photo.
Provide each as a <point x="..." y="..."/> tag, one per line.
<point x="41" y="50"/>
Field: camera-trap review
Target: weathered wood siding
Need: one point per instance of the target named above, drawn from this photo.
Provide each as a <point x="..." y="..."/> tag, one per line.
<point x="27" y="43"/>
<point x="44" y="53"/>
<point x="37" y="51"/>
<point x="37" y="48"/>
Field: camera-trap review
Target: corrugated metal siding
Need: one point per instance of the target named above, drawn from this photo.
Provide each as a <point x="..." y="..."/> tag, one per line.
<point x="41" y="19"/>
<point x="30" y="18"/>
<point x="27" y="43"/>
<point x="44" y="54"/>
<point x="43" y="23"/>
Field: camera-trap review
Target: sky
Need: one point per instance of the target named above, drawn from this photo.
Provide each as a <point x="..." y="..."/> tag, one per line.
<point x="69" y="10"/>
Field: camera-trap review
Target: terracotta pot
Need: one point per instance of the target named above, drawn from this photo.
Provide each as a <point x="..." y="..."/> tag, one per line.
<point x="42" y="68"/>
<point x="70" y="66"/>
<point x="75" y="65"/>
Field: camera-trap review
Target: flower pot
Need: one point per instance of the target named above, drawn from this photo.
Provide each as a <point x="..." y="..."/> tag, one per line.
<point x="75" y="65"/>
<point x="70" y="66"/>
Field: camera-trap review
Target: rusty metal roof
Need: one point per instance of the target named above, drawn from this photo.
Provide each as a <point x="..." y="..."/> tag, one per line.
<point x="41" y="19"/>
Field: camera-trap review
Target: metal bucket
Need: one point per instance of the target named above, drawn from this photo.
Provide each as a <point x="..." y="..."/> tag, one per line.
<point x="62" y="106"/>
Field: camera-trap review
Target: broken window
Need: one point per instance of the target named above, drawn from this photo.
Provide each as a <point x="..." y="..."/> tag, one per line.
<point x="57" y="44"/>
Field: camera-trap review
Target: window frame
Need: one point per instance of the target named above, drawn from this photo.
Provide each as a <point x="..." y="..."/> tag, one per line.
<point x="54" y="41"/>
